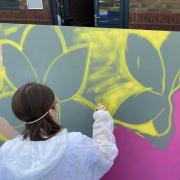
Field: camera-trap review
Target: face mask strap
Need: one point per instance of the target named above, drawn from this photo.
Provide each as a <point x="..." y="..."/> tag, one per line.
<point x="37" y="119"/>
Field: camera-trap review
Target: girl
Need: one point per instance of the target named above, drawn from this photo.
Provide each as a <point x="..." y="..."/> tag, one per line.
<point x="47" y="151"/>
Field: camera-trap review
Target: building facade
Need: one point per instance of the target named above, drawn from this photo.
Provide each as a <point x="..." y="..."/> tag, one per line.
<point x="18" y="12"/>
<point x="154" y="14"/>
<point x="141" y="14"/>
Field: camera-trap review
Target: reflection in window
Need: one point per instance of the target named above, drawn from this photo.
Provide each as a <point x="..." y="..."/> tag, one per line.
<point x="109" y="8"/>
<point x="9" y="4"/>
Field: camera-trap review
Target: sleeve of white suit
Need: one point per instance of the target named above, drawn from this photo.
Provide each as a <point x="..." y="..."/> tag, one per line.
<point x="103" y="128"/>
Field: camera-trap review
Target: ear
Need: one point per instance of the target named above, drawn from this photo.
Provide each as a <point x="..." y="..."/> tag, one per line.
<point x="52" y="112"/>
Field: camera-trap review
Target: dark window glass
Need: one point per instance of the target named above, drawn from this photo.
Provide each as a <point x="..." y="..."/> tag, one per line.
<point x="109" y="8"/>
<point x="9" y="4"/>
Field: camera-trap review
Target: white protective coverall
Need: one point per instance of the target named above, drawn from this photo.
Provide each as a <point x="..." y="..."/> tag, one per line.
<point x="66" y="156"/>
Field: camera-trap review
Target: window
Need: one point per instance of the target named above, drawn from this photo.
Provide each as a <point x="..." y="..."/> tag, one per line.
<point x="109" y="8"/>
<point x="9" y="4"/>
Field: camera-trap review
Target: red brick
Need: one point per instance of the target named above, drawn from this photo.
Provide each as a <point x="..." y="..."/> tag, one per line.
<point x="155" y="14"/>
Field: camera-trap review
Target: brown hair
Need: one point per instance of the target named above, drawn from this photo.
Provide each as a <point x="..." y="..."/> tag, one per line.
<point x="31" y="102"/>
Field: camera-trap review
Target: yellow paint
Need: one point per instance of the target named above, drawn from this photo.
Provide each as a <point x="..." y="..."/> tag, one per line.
<point x="138" y="62"/>
<point x="177" y="78"/>
<point x="2" y="138"/>
<point x="145" y="128"/>
<point x="4" y="79"/>
<point x="19" y="46"/>
<point x="106" y="43"/>
<point x="112" y="93"/>
<point x="24" y="35"/>
<point x="84" y="101"/>
<point x="106" y="46"/>
<point x="9" y="29"/>
<point x="71" y="49"/>
<point x="61" y="38"/>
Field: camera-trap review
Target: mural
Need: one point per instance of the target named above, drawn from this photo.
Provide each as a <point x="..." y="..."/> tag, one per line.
<point x="134" y="73"/>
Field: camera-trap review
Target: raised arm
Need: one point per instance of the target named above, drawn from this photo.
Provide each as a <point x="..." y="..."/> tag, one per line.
<point x="103" y="128"/>
<point x="7" y="130"/>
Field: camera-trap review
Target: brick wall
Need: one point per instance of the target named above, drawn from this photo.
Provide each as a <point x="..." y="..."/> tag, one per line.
<point x="154" y="14"/>
<point x="25" y="16"/>
<point x="23" y="4"/>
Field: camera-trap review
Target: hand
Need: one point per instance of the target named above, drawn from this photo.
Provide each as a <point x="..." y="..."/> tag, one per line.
<point x="100" y="107"/>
